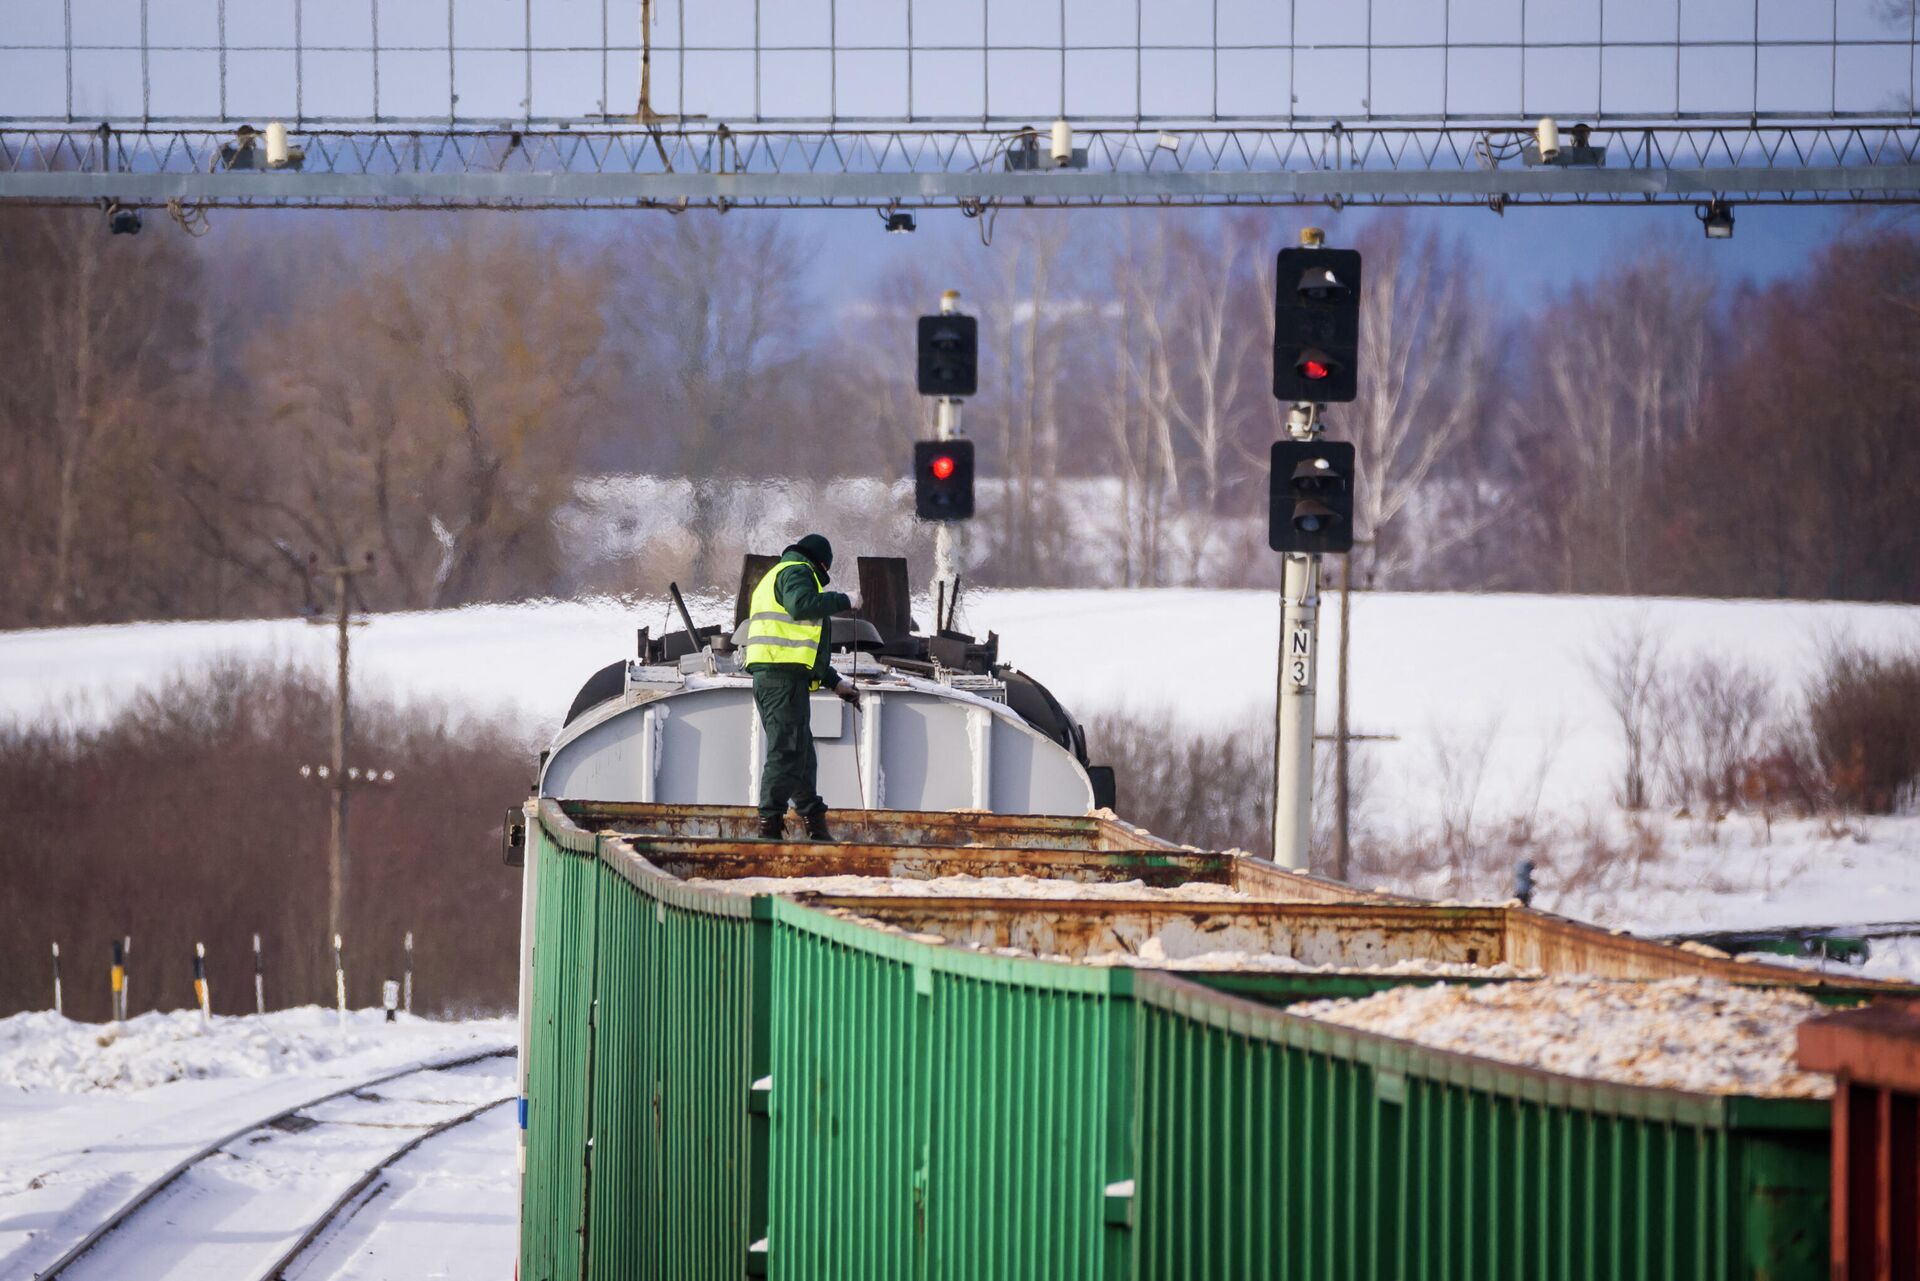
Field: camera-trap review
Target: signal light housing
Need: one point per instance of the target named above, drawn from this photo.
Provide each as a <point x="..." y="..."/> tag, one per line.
<point x="1310" y="496"/>
<point x="1316" y="325"/>
<point x="949" y="355"/>
<point x="943" y="479"/>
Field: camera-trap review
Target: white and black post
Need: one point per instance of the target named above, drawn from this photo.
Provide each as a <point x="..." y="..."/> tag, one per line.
<point x="117" y="981"/>
<point x="339" y="982"/>
<point x="1293" y="701"/>
<point x="259" y="980"/>
<point x="59" y="1007"/>
<point x="406" y="978"/>
<point x="200" y="994"/>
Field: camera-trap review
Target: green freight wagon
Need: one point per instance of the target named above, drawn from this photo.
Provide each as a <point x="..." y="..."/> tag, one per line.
<point x="721" y="1084"/>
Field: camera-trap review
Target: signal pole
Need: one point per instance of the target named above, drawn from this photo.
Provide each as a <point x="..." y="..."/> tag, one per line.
<point x="946" y="534"/>
<point x="1316" y="352"/>
<point x="1293" y="697"/>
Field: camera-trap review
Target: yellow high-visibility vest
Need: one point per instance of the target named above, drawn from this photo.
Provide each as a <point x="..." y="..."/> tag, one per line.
<point x="774" y="635"/>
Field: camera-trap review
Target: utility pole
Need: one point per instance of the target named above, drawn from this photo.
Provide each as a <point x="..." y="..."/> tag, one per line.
<point x="1293" y="701"/>
<point x="946" y="534"/>
<point x="335" y="776"/>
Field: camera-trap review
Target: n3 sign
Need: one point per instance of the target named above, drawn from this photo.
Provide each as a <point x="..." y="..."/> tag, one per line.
<point x="1316" y="325"/>
<point x="1300" y="657"/>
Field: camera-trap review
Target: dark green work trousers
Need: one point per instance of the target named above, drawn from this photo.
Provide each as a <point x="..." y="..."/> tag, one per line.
<point x="791" y="771"/>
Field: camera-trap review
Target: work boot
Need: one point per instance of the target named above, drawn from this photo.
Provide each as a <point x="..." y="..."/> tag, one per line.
<point x="773" y="829"/>
<point x="817" y="826"/>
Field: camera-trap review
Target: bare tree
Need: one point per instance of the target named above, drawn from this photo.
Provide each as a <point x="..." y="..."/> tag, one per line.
<point x="707" y="313"/>
<point x="1622" y="381"/>
<point x="1626" y="665"/>
<point x="1716" y="715"/>
<point x="1024" y="356"/>
<point x="1192" y="362"/>
<point x="1424" y="384"/>
<point x="445" y="433"/>
<point x="1460" y="756"/>
<point x="102" y="332"/>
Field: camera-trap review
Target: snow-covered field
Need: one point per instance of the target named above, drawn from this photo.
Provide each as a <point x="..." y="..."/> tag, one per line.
<point x="91" y="1113"/>
<point x="1492" y="699"/>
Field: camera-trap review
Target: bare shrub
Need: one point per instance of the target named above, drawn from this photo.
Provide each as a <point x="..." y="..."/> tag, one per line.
<point x="1863" y="719"/>
<point x="1209" y="790"/>
<point x="1460" y="768"/>
<point x="1715" y="715"/>
<point x="1626" y="667"/>
<point x="1521" y="826"/>
<point x="184" y="819"/>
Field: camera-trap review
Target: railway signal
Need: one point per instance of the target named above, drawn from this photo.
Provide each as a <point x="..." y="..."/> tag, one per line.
<point x="1316" y="325"/>
<point x="943" y="479"/>
<point x="949" y="357"/>
<point x="1316" y="362"/>
<point x="948" y="369"/>
<point x="1310" y="496"/>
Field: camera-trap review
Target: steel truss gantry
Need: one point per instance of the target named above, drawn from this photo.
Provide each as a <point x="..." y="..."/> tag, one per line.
<point x="972" y="169"/>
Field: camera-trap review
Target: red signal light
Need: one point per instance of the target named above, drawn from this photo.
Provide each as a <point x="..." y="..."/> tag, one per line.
<point x="942" y="466"/>
<point x="1315" y="369"/>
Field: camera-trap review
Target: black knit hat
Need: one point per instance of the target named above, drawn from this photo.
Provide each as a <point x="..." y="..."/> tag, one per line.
<point x="815" y="548"/>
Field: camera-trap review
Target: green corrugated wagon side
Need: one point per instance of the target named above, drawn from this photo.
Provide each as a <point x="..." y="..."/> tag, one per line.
<point x="773" y="1089"/>
<point x="676" y="1034"/>
<point x="1275" y="1146"/>
<point x="942" y="1114"/>
<point x="552" y="1223"/>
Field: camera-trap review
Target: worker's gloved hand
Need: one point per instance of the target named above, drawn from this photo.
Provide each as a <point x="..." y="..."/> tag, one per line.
<point x="853" y="602"/>
<point x="848" y="694"/>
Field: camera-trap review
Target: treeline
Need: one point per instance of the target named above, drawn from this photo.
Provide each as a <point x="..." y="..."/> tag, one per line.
<point x="193" y="428"/>
<point x="185" y="819"/>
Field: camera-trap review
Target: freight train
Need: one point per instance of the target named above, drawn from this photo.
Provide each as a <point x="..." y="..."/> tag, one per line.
<point x="972" y="1040"/>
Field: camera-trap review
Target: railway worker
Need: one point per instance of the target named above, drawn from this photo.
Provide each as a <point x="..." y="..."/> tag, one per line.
<point x="787" y="650"/>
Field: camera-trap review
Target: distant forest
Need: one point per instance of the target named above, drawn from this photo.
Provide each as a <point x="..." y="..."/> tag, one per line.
<point x="187" y="427"/>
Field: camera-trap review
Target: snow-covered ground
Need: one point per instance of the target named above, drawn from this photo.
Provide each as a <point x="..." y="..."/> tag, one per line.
<point x="91" y="1113"/>
<point x="1492" y="699"/>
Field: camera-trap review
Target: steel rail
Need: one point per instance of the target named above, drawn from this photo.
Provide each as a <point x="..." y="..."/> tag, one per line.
<point x="320" y="1225"/>
<point x="107" y="1226"/>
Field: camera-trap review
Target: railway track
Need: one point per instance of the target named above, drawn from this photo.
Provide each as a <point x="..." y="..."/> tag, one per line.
<point x="256" y="1202"/>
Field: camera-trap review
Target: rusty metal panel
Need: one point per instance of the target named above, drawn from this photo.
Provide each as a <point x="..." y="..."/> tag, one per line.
<point x="1265" y="879"/>
<point x="887" y="827"/>
<point x="1875" y="1053"/>
<point x="729" y="860"/>
<point x="1555" y="945"/>
<point x="1350" y="936"/>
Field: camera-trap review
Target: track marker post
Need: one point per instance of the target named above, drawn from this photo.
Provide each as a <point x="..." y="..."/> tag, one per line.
<point x="117" y="983"/>
<point x="259" y="980"/>
<point x="58" y="1007"/>
<point x="406" y="981"/>
<point x="126" y="977"/>
<point x="339" y="983"/>
<point x="200" y="994"/>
